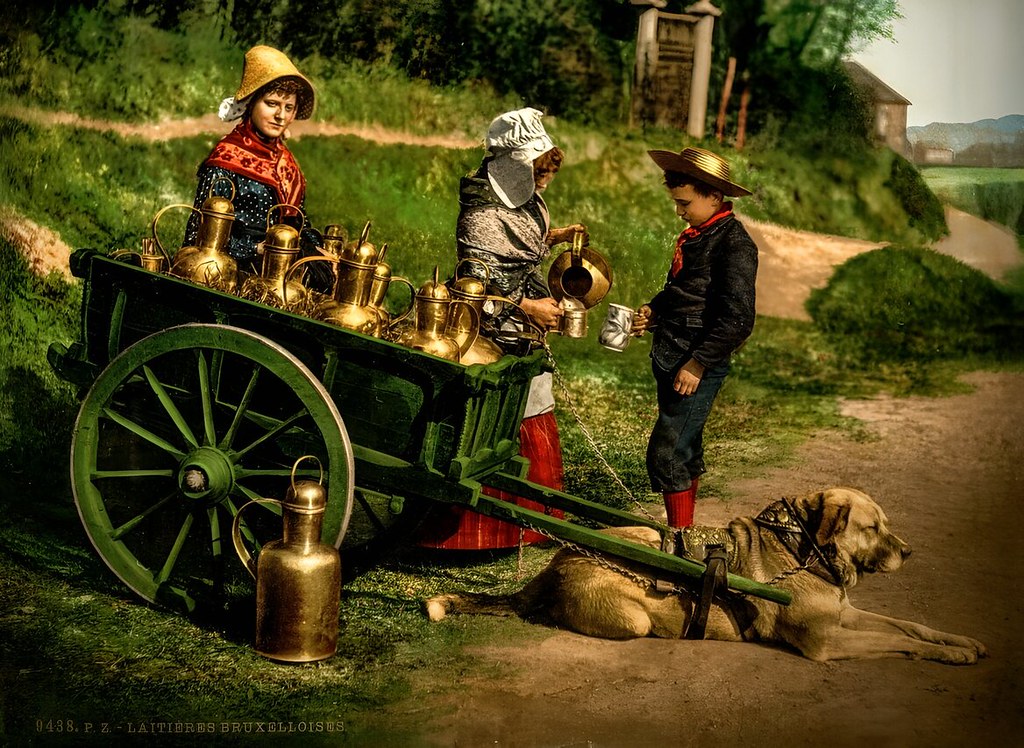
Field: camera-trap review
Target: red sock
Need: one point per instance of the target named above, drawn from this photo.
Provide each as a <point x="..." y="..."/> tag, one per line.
<point x="679" y="505"/>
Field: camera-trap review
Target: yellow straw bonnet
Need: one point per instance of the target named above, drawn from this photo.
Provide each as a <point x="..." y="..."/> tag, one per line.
<point x="704" y="165"/>
<point x="265" y="64"/>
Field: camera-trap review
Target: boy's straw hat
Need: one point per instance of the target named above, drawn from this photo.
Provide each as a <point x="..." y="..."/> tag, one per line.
<point x="265" y="64"/>
<point x="704" y="165"/>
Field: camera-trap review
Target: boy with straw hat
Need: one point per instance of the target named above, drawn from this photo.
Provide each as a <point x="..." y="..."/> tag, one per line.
<point x="701" y="316"/>
<point x="253" y="157"/>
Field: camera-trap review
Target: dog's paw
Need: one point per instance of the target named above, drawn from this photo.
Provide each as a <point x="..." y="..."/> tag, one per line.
<point x="959" y="656"/>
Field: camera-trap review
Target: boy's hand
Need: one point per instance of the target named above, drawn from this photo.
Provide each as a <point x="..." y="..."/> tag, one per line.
<point x="688" y="377"/>
<point x="641" y="321"/>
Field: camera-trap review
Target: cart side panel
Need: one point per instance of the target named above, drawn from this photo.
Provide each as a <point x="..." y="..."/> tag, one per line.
<point x="448" y="418"/>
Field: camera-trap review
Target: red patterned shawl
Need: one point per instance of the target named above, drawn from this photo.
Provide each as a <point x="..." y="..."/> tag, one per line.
<point x="244" y="152"/>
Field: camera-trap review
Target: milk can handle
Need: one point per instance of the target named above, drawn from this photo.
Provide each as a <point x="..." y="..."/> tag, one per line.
<point x="412" y="297"/>
<point x="156" y="219"/>
<point x="287" y="205"/>
<point x="236" y="534"/>
<point x="299" y="461"/>
<point x="470" y="339"/>
<point x="478" y="261"/>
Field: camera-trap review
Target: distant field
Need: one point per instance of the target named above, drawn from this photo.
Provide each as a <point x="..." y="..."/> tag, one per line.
<point x="994" y="194"/>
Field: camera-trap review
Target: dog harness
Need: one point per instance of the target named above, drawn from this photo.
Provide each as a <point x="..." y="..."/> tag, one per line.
<point x="715" y="547"/>
<point x="783" y="519"/>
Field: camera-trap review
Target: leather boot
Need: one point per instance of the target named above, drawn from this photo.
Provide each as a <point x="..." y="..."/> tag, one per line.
<point x="679" y="505"/>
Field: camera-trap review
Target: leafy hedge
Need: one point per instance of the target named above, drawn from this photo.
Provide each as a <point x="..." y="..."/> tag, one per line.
<point x="897" y="304"/>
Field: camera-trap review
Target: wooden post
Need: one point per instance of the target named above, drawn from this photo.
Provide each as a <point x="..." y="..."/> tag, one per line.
<point x="726" y="93"/>
<point x="741" y="122"/>
<point x="703" y="31"/>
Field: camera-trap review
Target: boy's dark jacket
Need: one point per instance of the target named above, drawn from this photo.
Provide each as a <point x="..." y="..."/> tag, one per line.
<point x="706" y="311"/>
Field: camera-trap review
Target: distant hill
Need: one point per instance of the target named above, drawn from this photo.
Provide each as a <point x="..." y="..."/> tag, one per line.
<point x="987" y="142"/>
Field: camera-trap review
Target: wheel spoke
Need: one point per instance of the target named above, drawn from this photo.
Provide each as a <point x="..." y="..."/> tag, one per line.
<point x="142" y="432"/>
<point x="204" y="393"/>
<point x="215" y="537"/>
<point x="280" y="428"/>
<point x="172" y="557"/>
<point x="122" y="530"/>
<point x="131" y="473"/>
<point x="169" y="406"/>
<point x="241" y="410"/>
<point x="370" y="513"/>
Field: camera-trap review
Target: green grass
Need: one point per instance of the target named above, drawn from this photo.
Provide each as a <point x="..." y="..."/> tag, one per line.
<point x="993" y="194"/>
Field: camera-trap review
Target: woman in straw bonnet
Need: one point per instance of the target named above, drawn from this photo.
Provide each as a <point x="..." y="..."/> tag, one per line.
<point x="699" y="319"/>
<point x="253" y="157"/>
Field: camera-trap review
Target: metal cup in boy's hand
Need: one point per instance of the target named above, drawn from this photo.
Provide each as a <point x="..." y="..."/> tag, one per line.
<point x="617" y="327"/>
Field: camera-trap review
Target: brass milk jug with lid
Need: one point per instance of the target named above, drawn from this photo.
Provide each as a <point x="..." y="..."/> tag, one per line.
<point x="473" y="292"/>
<point x="381" y="283"/>
<point x="208" y="262"/>
<point x="298" y="578"/>
<point x="349" y="305"/>
<point x="436" y="314"/>
<point x="276" y="284"/>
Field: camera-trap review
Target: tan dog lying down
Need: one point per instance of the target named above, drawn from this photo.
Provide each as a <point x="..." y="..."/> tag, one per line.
<point x="577" y="593"/>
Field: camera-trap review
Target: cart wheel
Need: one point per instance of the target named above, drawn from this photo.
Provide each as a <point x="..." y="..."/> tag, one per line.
<point x="181" y="430"/>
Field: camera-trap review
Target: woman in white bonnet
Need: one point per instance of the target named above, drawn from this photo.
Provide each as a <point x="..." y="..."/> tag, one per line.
<point x="503" y="222"/>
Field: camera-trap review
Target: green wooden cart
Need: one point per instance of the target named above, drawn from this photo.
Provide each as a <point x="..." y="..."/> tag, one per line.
<point x="195" y="401"/>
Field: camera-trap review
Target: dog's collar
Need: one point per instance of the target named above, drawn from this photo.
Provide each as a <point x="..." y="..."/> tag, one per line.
<point x="783" y="519"/>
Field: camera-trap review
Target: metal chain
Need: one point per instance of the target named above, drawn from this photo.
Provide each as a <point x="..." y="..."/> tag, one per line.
<point x="603" y="561"/>
<point x="588" y="437"/>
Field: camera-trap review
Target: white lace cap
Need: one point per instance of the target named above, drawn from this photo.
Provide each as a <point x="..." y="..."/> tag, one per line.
<point x="230" y="110"/>
<point x="514" y="141"/>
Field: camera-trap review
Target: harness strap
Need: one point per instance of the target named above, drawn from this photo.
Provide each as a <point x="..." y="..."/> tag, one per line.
<point x="713" y="581"/>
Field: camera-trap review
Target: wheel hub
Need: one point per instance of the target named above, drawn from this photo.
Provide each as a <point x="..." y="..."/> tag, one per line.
<point x="206" y="475"/>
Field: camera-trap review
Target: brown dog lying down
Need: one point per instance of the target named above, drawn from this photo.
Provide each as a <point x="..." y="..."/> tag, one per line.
<point x="576" y="592"/>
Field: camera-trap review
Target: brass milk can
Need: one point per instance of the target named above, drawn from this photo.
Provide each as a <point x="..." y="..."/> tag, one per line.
<point x="379" y="287"/>
<point x="208" y="262"/>
<point x="349" y="305"/>
<point x="436" y="315"/>
<point x="473" y="292"/>
<point x="298" y="578"/>
<point x="275" y="284"/>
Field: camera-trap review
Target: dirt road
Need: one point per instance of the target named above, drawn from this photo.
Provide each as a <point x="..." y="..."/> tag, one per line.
<point x="947" y="472"/>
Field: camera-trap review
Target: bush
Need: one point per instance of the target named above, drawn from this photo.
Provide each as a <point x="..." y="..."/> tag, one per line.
<point x="920" y="203"/>
<point x="897" y="304"/>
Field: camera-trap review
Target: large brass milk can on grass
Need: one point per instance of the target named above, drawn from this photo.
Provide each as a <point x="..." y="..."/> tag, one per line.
<point x="298" y="578"/>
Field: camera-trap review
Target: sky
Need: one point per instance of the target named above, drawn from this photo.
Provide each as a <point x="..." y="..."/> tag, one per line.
<point x="955" y="60"/>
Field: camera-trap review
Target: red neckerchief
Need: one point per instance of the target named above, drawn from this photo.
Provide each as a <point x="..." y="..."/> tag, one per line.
<point x="244" y="152"/>
<point x="692" y="232"/>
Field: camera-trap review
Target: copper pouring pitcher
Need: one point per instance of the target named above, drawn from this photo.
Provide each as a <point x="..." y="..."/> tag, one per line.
<point x="581" y="273"/>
